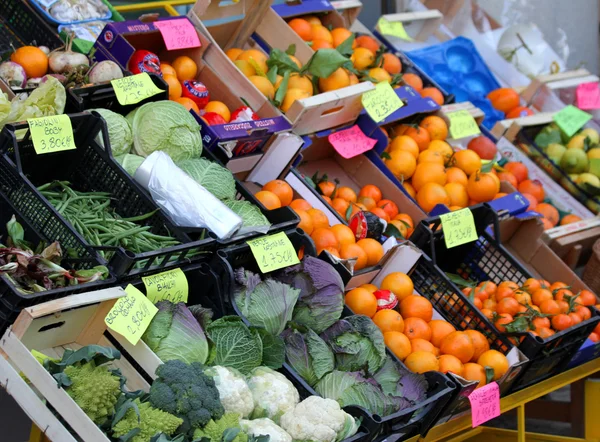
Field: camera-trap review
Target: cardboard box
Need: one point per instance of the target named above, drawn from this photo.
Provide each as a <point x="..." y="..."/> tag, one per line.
<point x="118" y="42"/>
<point x="320" y="112"/>
<point x="420" y="25"/>
<point x="573" y="242"/>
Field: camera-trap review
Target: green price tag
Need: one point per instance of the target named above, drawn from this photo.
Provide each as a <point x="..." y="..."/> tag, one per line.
<point x="393" y="28"/>
<point x="273" y="252"/>
<point x="570" y="119"/>
<point x="131" y="315"/>
<point x="459" y="228"/>
<point x="462" y="124"/>
<point x="595" y="166"/>
<point x="171" y="285"/>
<point x="51" y="134"/>
<point x="135" y="88"/>
<point x="381" y="102"/>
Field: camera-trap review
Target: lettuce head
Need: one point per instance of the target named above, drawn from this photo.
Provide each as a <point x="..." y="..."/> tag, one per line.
<point x="213" y="177"/>
<point x="120" y="136"/>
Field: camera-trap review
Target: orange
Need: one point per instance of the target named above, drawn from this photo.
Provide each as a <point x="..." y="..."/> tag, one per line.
<point x="295" y="60"/>
<point x="413" y="81"/>
<point x="362" y="58"/>
<point x="531" y="285"/>
<point x="167" y="69"/>
<point x="291" y="96"/>
<point x="540" y="296"/>
<point x="431" y="156"/>
<point x="32" y="59"/>
<point x="323" y="238"/>
<point x="371" y="191"/>
<point x="482" y="187"/>
<point x="313" y="20"/>
<point x="458" y="194"/>
<point x="406" y="219"/>
<point x="508" y="305"/>
<point x="327" y="188"/>
<point x="302" y="28"/>
<point x="306" y="223"/>
<point x="346" y="193"/>
<point x="436" y="126"/>
<point x="415" y="306"/>
<point x="300" y="82"/>
<point x="430" y="195"/>
<point x="504" y="99"/>
<point x="340" y="35"/>
<point x="508" y="177"/>
<point x="474" y="372"/>
<point x="232" y="53"/>
<point x="340" y="206"/>
<point x="320" y="32"/>
<point x="378" y="75"/>
<point x="282" y="189"/>
<point x="587" y="298"/>
<point x="373" y="249"/>
<point x="422" y="345"/>
<point x="466" y="160"/>
<point x="416" y="328"/>
<point x="370" y="287"/>
<point x="400" y="129"/>
<point x="278" y="80"/>
<point x="561" y="322"/>
<point x="421" y="362"/>
<point x="402" y="164"/>
<point x="549" y="212"/>
<point x="568" y="219"/>
<point x="443" y="148"/>
<point x="451" y="363"/>
<point x="319" y="218"/>
<point x="410" y="190"/>
<point x="456" y="175"/>
<point x="349" y="251"/>
<point x="333" y="251"/>
<point x="519" y="170"/>
<point x="389" y="207"/>
<point x="300" y="204"/>
<point x="398" y="344"/>
<point x="246" y="68"/>
<point x="549" y="307"/>
<point x="381" y="214"/>
<point x="439" y="330"/>
<point x="263" y="85"/>
<point x="391" y="63"/>
<point x="433" y="93"/>
<point x="321" y="44"/>
<point x="502" y="320"/>
<point x="219" y="108"/>
<point x="405" y="143"/>
<point x="389" y="320"/>
<point x="188" y="103"/>
<point x="519" y="111"/>
<point x="361" y="302"/>
<point x="480" y="343"/>
<point x="495" y="360"/>
<point x="268" y="199"/>
<point x="420" y="135"/>
<point x="428" y="173"/>
<point x="185" y="67"/>
<point x="174" y="86"/>
<point x="400" y="226"/>
<point x="458" y="344"/>
<point x="399" y="284"/>
<point x="255" y="58"/>
<point x="344" y="234"/>
<point x="533" y="187"/>
<point x="353" y="79"/>
<point x="338" y="80"/>
<point x="366" y="41"/>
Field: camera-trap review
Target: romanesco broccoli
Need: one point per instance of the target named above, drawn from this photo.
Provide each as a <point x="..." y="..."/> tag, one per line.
<point x="214" y="430"/>
<point x="151" y="421"/>
<point x="95" y="389"/>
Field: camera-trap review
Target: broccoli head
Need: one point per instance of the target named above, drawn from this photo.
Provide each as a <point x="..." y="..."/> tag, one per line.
<point x="215" y="429"/>
<point x="150" y="422"/>
<point x="186" y="392"/>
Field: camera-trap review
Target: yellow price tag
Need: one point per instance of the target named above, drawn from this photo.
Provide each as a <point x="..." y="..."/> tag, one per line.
<point x="393" y="28"/>
<point x="131" y="315"/>
<point x="570" y="119"/>
<point x="273" y="252"/>
<point x="51" y="134"/>
<point x="459" y="228"/>
<point x="171" y="286"/>
<point x="462" y="124"/>
<point x="381" y="102"/>
<point x="135" y="88"/>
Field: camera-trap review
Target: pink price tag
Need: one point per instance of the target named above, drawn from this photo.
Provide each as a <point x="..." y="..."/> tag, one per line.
<point x="178" y="34"/>
<point x="588" y="96"/>
<point x="485" y="403"/>
<point x="351" y="142"/>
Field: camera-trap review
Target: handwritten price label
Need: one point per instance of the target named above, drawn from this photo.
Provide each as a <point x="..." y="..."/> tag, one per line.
<point x="178" y="34"/>
<point x="381" y="102"/>
<point x="351" y="142"/>
<point x="459" y="228"/>
<point x="171" y="286"/>
<point x="588" y="96"/>
<point x="462" y="124"/>
<point x="273" y="252"/>
<point x="393" y="28"/>
<point x="485" y="403"/>
<point x="51" y="134"/>
<point x="131" y="315"/>
<point x="135" y="88"/>
<point x="570" y="119"/>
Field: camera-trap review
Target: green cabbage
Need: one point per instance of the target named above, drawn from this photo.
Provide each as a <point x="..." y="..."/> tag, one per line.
<point x="308" y="354"/>
<point x="167" y="126"/>
<point x="119" y="132"/>
<point x="250" y="214"/>
<point x="130" y="162"/>
<point x="215" y="178"/>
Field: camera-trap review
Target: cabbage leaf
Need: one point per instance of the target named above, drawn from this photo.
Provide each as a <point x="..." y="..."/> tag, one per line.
<point x="250" y="214"/>
<point x="235" y="345"/>
<point x="308" y="354"/>
<point x="120" y="136"/>
<point x="130" y="162"/>
<point x="213" y="177"/>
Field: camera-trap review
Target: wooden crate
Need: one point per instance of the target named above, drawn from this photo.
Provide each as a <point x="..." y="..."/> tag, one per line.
<point x="313" y="114"/>
<point x="419" y="24"/>
<point x="50" y="328"/>
<point x="475" y="112"/>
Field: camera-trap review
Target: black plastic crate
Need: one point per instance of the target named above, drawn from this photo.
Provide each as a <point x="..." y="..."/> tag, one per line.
<point x="487" y="260"/>
<point x="12" y="301"/>
<point x="90" y="167"/>
<point x="21" y="26"/>
<point x="416" y="420"/>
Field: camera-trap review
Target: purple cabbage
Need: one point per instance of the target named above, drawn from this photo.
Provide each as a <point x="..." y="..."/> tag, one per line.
<point x="307" y="353"/>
